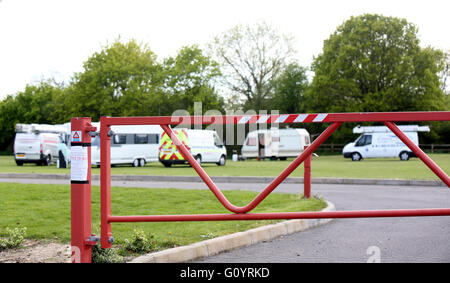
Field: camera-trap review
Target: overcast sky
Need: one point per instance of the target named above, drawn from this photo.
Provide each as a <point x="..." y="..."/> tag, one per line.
<point x="42" y="39"/>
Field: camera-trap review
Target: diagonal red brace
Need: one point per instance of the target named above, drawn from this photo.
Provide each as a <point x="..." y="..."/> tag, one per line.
<point x="262" y="195"/>
<point x="419" y="153"/>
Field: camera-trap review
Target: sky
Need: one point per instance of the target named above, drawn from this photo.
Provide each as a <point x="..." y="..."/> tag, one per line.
<point x="44" y="39"/>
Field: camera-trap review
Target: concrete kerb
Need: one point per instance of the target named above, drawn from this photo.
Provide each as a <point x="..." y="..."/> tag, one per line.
<point x="233" y="241"/>
<point x="266" y="180"/>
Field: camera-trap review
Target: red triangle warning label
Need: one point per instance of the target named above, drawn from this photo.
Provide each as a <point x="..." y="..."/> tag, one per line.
<point x="76" y="136"/>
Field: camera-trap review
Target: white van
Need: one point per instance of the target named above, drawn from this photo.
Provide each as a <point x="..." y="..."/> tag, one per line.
<point x="204" y="145"/>
<point x="380" y="141"/>
<point x="135" y="145"/>
<point x="275" y="143"/>
<point x="39" y="143"/>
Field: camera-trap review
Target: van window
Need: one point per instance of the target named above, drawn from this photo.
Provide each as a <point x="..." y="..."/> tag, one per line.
<point x="307" y="141"/>
<point x="364" y="140"/>
<point x="141" y="139"/>
<point x="153" y="138"/>
<point x="217" y="140"/>
<point x="251" y="141"/>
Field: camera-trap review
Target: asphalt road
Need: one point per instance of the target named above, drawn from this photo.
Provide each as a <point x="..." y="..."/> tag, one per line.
<point x="412" y="239"/>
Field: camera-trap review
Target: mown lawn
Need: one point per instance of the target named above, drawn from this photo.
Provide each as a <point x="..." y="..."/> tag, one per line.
<point x="323" y="166"/>
<point x="45" y="211"/>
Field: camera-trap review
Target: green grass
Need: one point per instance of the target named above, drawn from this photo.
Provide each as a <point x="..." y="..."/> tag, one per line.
<point x="324" y="166"/>
<point x="45" y="211"/>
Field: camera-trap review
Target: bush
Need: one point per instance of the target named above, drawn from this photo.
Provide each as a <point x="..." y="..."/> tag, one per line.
<point x="100" y="255"/>
<point x="140" y="242"/>
<point x="15" y="238"/>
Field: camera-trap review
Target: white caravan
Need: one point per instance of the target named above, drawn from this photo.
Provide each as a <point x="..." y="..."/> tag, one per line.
<point x="39" y="143"/>
<point x="204" y="145"/>
<point x="275" y="143"/>
<point x="380" y="141"/>
<point x="135" y="145"/>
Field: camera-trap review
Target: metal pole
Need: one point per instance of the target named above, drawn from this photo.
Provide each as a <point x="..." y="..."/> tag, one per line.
<point x="285" y="215"/>
<point x="419" y="153"/>
<point x="80" y="175"/>
<point x="307" y="176"/>
<point x="105" y="184"/>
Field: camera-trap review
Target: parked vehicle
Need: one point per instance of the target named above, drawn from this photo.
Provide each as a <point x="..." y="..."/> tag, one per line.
<point x="379" y="141"/>
<point x="275" y="143"/>
<point x="204" y="145"/>
<point x="135" y="145"/>
<point x="39" y="143"/>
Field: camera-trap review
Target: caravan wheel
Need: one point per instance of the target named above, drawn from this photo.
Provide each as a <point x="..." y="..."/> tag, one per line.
<point x="136" y="163"/>
<point x="142" y="162"/>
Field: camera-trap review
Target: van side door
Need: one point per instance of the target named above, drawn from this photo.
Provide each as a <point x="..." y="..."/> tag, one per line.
<point x="364" y="146"/>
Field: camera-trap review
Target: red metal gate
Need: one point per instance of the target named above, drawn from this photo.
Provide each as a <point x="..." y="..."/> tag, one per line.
<point x="81" y="231"/>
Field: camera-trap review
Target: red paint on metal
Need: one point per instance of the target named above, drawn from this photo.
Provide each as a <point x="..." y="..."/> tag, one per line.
<point x="283" y="175"/>
<point x="80" y="195"/>
<point x="105" y="183"/>
<point x="307" y="176"/>
<point x="419" y="153"/>
<point x="285" y="215"/>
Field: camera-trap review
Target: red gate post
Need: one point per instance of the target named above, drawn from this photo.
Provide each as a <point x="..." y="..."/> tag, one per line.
<point x="307" y="176"/>
<point x="80" y="179"/>
<point x="105" y="183"/>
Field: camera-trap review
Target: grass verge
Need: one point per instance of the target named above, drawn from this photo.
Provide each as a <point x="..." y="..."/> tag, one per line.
<point x="45" y="211"/>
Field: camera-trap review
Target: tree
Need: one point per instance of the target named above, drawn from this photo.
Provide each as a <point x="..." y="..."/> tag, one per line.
<point x="188" y="79"/>
<point x="374" y="63"/>
<point x="289" y="88"/>
<point x="123" y="79"/>
<point x="250" y="59"/>
<point x="33" y="105"/>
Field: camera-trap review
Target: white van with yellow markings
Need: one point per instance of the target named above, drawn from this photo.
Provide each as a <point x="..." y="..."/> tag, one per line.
<point x="204" y="145"/>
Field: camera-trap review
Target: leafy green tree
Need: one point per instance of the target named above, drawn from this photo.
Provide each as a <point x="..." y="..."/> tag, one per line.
<point x="33" y="105"/>
<point x="123" y="79"/>
<point x="374" y="63"/>
<point x="189" y="78"/>
<point x="289" y="89"/>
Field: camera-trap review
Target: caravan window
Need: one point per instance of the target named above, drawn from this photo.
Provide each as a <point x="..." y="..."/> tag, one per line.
<point x="251" y="141"/>
<point x="141" y="139"/>
<point x="121" y="139"/>
<point x="153" y="138"/>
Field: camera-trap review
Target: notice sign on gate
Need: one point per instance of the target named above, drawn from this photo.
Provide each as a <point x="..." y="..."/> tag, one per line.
<point x="79" y="164"/>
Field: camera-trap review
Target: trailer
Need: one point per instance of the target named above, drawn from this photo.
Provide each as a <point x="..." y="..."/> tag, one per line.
<point x="133" y="145"/>
<point x="275" y="143"/>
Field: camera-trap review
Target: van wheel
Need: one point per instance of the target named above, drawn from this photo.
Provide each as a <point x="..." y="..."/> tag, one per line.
<point x="198" y="159"/>
<point x="47" y="160"/>
<point x="142" y="162"/>
<point x="356" y="156"/>
<point x="136" y="163"/>
<point x="222" y="161"/>
<point x="404" y="156"/>
<point x="19" y="163"/>
<point x="167" y="164"/>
